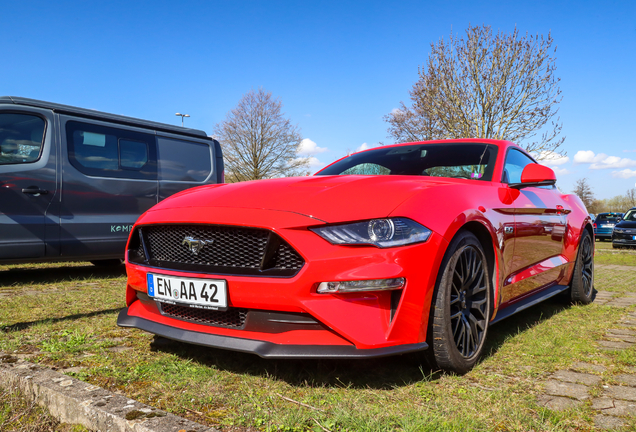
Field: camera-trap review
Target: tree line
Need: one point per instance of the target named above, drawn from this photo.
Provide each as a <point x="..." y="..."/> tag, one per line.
<point x="618" y="203"/>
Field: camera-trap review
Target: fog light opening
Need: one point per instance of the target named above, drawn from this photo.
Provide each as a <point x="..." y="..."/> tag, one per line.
<point x="361" y="285"/>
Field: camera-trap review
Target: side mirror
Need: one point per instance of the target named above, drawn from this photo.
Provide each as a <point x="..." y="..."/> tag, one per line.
<point x="535" y="175"/>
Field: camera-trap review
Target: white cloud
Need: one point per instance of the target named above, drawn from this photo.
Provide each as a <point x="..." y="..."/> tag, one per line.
<point x="626" y="173"/>
<point x="629" y="151"/>
<point x="588" y="156"/>
<point x="559" y="171"/>
<point x="307" y="148"/>
<point x="366" y="146"/>
<point x="602" y="161"/>
<point x="314" y="163"/>
<point x="551" y="159"/>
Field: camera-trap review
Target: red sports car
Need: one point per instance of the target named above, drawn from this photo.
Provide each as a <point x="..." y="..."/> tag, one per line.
<point x="409" y="247"/>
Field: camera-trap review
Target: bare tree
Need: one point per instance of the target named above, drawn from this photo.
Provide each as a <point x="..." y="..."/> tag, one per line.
<point x="584" y="191"/>
<point x="631" y="197"/>
<point x="258" y="141"/>
<point x="500" y="86"/>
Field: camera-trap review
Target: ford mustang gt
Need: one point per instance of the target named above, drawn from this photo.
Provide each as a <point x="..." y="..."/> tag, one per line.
<point x="402" y="248"/>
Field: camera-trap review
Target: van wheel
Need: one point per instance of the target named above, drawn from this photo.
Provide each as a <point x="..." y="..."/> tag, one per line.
<point x="107" y="263"/>
<point x="461" y="307"/>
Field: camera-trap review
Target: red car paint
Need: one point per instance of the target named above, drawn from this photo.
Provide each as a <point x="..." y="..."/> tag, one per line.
<point x="530" y="255"/>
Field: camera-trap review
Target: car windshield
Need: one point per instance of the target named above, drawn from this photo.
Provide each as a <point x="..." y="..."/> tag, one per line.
<point x="463" y="160"/>
<point x="630" y="216"/>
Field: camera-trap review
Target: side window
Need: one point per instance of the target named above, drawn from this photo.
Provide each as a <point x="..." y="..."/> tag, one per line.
<point x="21" y="137"/>
<point x="515" y="163"/>
<point x="104" y="151"/>
<point x="132" y="154"/>
<point x="183" y="160"/>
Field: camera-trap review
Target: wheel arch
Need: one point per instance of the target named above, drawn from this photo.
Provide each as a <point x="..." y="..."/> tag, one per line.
<point x="485" y="238"/>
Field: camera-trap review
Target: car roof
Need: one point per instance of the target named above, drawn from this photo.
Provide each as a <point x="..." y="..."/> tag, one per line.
<point x="99" y="115"/>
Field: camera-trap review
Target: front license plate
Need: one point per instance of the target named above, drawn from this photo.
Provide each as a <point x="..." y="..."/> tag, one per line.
<point x="633" y="237"/>
<point x="607" y="226"/>
<point x="193" y="292"/>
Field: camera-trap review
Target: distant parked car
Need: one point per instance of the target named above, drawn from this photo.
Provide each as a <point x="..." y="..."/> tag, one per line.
<point x="625" y="231"/>
<point x="593" y="216"/>
<point x="604" y="225"/>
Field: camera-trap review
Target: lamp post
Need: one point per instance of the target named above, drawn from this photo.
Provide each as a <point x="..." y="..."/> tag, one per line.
<point x="182" y="116"/>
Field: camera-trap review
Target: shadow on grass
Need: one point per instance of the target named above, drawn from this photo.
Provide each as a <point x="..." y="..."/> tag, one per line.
<point x="25" y="325"/>
<point x="382" y="373"/>
<point x="52" y="275"/>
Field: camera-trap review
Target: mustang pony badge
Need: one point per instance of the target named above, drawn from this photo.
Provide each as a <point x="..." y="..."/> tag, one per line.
<point x="195" y="245"/>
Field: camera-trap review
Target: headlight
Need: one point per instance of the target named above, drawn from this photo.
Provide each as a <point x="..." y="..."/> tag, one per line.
<point x="618" y="230"/>
<point x="377" y="232"/>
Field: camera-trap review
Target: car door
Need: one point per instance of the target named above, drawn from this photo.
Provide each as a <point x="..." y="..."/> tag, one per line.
<point x="539" y="231"/>
<point x="28" y="182"/>
<point x="110" y="179"/>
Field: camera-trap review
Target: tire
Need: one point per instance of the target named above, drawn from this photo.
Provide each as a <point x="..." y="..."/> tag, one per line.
<point x="107" y="263"/>
<point x="582" y="285"/>
<point x="461" y="307"/>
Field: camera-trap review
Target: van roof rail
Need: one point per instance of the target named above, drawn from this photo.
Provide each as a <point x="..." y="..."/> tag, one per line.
<point x="98" y="115"/>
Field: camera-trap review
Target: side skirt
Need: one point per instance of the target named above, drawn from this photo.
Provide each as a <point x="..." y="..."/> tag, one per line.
<point x="529" y="301"/>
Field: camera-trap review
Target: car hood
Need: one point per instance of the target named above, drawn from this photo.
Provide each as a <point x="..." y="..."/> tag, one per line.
<point x="325" y="198"/>
<point x="626" y="224"/>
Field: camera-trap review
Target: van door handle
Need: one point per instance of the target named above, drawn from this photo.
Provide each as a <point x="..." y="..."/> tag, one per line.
<point x="34" y="190"/>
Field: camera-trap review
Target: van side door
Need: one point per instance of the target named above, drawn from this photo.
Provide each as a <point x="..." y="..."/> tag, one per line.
<point x="109" y="179"/>
<point x="28" y="181"/>
<point x="184" y="163"/>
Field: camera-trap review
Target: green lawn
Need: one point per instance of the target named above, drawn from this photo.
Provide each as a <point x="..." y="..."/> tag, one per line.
<point x="64" y="315"/>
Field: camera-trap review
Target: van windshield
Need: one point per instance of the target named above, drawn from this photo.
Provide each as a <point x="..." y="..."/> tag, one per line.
<point x="21" y="138"/>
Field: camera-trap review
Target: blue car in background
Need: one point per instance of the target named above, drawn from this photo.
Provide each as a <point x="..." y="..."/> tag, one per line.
<point x="604" y="225"/>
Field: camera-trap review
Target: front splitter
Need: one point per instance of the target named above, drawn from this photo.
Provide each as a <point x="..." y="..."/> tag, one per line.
<point x="262" y="348"/>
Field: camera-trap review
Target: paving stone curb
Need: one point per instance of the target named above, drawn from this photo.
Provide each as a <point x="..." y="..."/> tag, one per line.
<point x="76" y="402"/>
<point x="566" y="389"/>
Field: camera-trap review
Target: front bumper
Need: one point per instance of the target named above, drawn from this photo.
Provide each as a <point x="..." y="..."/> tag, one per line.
<point x="624" y="239"/>
<point x="363" y="324"/>
<point x="262" y="348"/>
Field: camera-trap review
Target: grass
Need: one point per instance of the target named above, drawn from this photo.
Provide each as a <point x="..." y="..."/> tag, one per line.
<point x="18" y="415"/>
<point x="605" y="254"/>
<point x="63" y="316"/>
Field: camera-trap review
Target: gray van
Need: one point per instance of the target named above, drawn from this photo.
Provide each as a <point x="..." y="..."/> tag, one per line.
<point x="73" y="181"/>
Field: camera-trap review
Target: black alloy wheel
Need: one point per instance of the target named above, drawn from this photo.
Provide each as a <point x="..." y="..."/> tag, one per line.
<point x="461" y="307"/>
<point x="582" y="285"/>
<point x="468" y="300"/>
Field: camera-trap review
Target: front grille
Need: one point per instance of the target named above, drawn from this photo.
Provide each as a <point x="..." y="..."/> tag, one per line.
<point x="232" y="318"/>
<point x="224" y="250"/>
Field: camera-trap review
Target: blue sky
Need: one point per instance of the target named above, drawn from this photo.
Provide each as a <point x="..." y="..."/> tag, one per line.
<point x="338" y="66"/>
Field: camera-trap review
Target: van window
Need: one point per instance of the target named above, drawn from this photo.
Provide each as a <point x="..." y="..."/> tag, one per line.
<point x="21" y="137"/>
<point x="110" y="152"/>
<point x="183" y="160"/>
<point x="133" y="154"/>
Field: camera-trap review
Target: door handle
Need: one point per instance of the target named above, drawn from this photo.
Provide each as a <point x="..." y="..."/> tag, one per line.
<point x="34" y="190"/>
